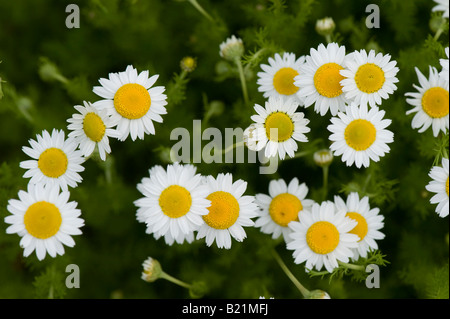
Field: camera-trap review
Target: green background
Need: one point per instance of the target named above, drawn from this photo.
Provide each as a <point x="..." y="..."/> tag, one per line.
<point x="154" y="35"/>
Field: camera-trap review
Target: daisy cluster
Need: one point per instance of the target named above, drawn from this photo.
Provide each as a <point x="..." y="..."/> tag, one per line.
<point x="431" y="107"/>
<point x="350" y="86"/>
<point x="43" y="215"/>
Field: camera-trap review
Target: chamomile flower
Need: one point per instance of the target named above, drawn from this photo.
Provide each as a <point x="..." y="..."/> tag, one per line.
<point x="369" y="222"/>
<point x="174" y="202"/>
<point x="91" y="128"/>
<point x="444" y="63"/>
<point x="369" y="78"/>
<point x="443" y="6"/>
<point x="232" y="48"/>
<point x="321" y="237"/>
<point x="44" y="219"/>
<point x="283" y="205"/>
<point x="56" y="161"/>
<point x="320" y="79"/>
<point x="360" y="135"/>
<point x="439" y="186"/>
<point x="131" y="102"/>
<point x="229" y="213"/>
<point x="430" y="103"/>
<point x="279" y="126"/>
<point x="277" y="77"/>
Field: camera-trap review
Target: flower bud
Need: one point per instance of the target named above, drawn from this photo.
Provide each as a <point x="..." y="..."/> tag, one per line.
<point x="323" y="157"/>
<point x="152" y="270"/>
<point x="325" y="26"/>
<point x="188" y="64"/>
<point x="318" y="294"/>
<point x="232" y="48"/>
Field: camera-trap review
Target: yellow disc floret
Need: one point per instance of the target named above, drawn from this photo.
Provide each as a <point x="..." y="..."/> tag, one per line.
<point x="322" y="237"/>
<point x="360" y="134"/>
<point x="435" y="102"/>
<point x="284" y="208"/>
<point x="369" y="78"/>
<point x="283" y="125"/>
<point x="132" y="101"/>
<point x="223" y="212"/>
<point x="283" y="81"/>
<point x="327" y="80"/>
<point x="53" y="162"/>
<point x="42" y="220"/>
<point x="93" y="127"/>
<point x="175" y="201"/>
<point x="361" y="228"/>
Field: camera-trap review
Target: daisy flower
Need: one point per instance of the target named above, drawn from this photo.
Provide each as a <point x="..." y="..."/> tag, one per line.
<point x="439" y="186"/>
<point x="360" y="135"/>
<point x="369" y="77"/>
<point x="369" y="222"/>
<point x="229" y="212"/>
<point x="283" y="205"/>
<point x="278" y="126"/>
<point x="277" y="77"/>
<point x="320" y="79"/>
<point x="132" y="102"/>
<point x="444" y="63"/>
<point x="173" y="203"/>
<point x="321" y="237"/>
<point x="56" y="161"/>
<point x="91" y="128"/>
<point x="44" y="219"/>
<point x="430" y="103"/>
<point x="442" y="5"/>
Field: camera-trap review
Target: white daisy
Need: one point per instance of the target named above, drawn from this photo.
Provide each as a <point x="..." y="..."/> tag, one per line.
<point x="320" y="79"/>
<point x="91" y="128"/>
<point x="173" y="203"/>
<point x="430" y="103"/>
<point x="321" y="237"/>
<point x="132" y="102"/>
<point x="444" y="63"/>
<point x="369" y="77"/>
<point x="44" y="219"/>
<point x="439" y="185"/>
<point x="229" y="212"/>
<point x="277" y="77"/>
<point x="278" y="126"/>
<point x="369" y="222"/>
<point x="283" y="205"/>
<point x="56" y="161"/>
<point x="442" y="5"/>
<point x="360" y="135"/>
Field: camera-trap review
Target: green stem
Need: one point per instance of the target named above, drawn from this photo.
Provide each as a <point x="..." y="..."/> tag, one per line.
<point x="303" y="290"/>
<point x="328" y="38"/>
<point x="352" y="266"/>
<point x="201" y="10"/>
<point x="440" y="30"/>
<point x="325" y="170"/>
<point x="175" y="280"/>
<point x="242" y="78"/>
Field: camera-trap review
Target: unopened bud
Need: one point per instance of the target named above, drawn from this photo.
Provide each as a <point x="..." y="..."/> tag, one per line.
<point x="318" y="294"/>
<point x="188" y="64"/>
<point x="323" y="157"/>
<point x="232" y="48"/>
<point x="152" y="270"/>
<point x="325" y="26"/>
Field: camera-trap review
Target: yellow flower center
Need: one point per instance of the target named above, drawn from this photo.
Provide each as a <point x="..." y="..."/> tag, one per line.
<point x="446" y="187"/>
<point x="283" y="81"/>
<point x="93" y="127"/>
<point x="223" y="212"/>
<point x="283" y="125"/>
<point x="435" y="102"/>
<point x="284" y="208"/>
<point x="327" y="80"/>
<point x="53" y="162"/>
<point x="175" y="201"/>
<point x="322" y="237"/>
<point x="361" y="228"/>
<point x="360" y="134"/>
<point x="369" y="78"/>
<point x="132" y="101"/>
<point x="42" y="220"/>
